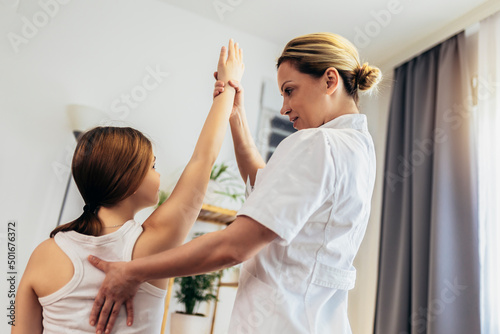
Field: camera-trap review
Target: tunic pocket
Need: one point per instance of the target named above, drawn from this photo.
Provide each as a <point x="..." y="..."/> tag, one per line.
<point x="326" y="299"/>
<point x="257" y="307"/>
<point x="331" y="277"/>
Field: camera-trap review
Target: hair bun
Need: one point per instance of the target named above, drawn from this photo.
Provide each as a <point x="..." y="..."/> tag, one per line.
<point x="368" y="77"/>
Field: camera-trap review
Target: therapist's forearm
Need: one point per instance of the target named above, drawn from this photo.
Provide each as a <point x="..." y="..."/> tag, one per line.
<point x="206" y="253"/>
<point x="246" y="152"/>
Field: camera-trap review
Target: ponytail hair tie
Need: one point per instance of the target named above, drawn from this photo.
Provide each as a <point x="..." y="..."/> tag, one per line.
<point x="90" y="207"/>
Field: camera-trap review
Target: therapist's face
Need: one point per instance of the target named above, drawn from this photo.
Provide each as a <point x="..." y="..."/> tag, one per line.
<point x="305" y="101"/>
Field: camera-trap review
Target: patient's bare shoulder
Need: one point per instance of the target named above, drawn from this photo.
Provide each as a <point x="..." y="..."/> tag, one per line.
<point x="48" y="269"/>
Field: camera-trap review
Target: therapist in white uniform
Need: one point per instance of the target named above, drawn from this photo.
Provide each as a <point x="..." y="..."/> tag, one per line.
<point x="306" y="212"/>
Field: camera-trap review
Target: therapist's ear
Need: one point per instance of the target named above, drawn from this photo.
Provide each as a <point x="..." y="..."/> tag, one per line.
<point x="331" y="78"/>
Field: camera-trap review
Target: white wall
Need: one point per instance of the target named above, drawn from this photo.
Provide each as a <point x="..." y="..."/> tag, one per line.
<point x="90" y="53"/>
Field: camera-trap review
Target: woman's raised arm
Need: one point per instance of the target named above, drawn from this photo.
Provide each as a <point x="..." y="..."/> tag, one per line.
<point x="169" y="225"/>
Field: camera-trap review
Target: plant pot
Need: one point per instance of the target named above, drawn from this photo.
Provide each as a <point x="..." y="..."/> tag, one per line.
<point x="181" y="323"/>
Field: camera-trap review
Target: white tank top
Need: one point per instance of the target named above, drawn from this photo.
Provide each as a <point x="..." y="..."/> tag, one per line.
<point x="68" y="309"/>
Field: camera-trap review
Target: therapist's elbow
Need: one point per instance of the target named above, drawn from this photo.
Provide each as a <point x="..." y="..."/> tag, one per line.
<point x="239" y="256"/>
<point x="229" y="260"/>
<point x="233" y="254"/>
<point x="243" y="239"/>
<point x="241" y="253"/>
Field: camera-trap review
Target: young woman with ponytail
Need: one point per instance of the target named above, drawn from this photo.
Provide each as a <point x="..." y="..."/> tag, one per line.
<point x="114" y="169"/>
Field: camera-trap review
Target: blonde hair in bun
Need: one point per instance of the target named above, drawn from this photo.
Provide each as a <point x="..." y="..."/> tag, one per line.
<point x="367" y="77"/>
<point x="314" y="53"/>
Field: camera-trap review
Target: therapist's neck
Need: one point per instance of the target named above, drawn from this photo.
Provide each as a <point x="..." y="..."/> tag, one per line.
<point x="343" y="105"/>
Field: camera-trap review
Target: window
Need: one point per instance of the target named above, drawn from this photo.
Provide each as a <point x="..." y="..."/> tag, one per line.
<point x="487" y="121"/>
<point x="273" y="127"/>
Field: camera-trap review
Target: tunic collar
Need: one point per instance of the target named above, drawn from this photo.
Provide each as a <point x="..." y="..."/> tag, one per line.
<point x="350" y="121"/>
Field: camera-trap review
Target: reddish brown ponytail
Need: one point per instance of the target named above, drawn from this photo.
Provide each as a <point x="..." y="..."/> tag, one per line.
<point x="108" y="165"/>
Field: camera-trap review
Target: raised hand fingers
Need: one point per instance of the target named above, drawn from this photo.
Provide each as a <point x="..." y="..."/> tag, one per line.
<point x="234" y="51"/>
<point x="222" y="56"/>
<point x="230" y="63"/>
<point x="237" y="52"/>
<point x="230" y="48"/>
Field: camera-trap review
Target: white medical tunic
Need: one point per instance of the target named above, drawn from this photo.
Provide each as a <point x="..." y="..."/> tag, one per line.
<point x="315" y="194"/>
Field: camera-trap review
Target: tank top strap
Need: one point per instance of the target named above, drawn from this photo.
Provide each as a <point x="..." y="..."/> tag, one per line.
<point x="66" y="246"/>
<point x="132" y="235"/>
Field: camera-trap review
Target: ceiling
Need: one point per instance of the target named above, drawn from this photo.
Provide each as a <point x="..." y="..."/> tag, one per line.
<point x="379" y="28"/>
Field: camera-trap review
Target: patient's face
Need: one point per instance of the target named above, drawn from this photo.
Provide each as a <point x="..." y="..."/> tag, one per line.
<point x="148" y="192"/>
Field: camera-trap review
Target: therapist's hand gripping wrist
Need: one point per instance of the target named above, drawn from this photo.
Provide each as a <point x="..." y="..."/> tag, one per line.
<point x="238" y="105"/>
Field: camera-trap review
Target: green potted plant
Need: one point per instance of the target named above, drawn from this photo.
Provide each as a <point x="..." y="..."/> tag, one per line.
<point x="225" y="188"/>
<point x="195" y="290"/>
<point x="192" y="291"/>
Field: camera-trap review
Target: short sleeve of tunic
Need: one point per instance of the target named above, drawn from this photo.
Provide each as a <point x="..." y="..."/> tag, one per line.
<point x="297" y="180"/>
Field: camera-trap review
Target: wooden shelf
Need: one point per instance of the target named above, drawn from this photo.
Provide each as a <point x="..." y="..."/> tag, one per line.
<point x="214" y="214"/>
<point x="227" y="284"/>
